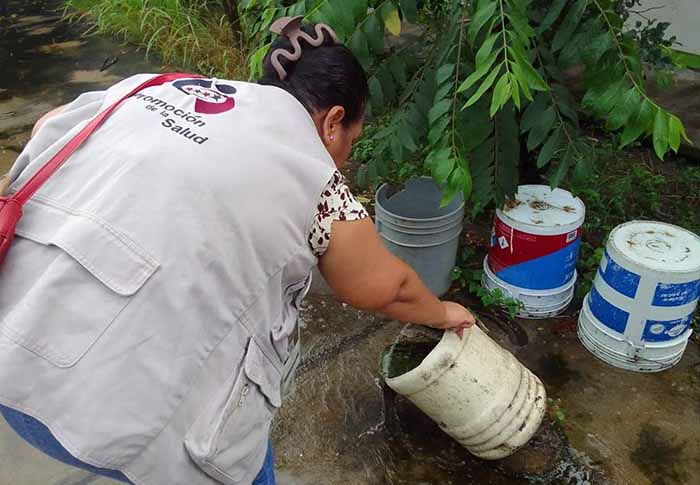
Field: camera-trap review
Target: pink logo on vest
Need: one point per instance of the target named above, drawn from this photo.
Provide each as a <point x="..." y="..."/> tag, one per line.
<point x="213" y="97"/>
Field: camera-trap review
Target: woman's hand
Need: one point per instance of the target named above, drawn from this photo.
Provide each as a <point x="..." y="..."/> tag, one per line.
<point x="456" y="317"/>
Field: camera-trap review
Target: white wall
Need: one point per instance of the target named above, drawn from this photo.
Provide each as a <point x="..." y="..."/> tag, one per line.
<point x="684" y="16"/>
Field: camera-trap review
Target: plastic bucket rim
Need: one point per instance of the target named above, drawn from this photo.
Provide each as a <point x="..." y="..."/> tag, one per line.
<point x="600" y="326"/>
<point x="413" y="374"/>
<point x="405" y="229"/>
<point x="378" y="205"/>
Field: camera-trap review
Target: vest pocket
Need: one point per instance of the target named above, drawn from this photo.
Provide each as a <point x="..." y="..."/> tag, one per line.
<point x="79" y="274"/>
<point x="228" y="441"/>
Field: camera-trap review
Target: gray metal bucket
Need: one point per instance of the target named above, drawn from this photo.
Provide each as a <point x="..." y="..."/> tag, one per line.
<point x="417" y="230"/>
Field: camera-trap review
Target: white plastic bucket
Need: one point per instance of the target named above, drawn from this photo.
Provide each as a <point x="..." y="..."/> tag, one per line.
<point x="534" y="249"/>
<point x="536" y="303"/>
<point x="536" y="238"/>
<point x="417" y="229"/>
<point x="478" y="393"/>
<point x="638" y="313"/>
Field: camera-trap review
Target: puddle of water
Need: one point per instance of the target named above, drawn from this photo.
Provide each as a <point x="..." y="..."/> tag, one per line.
<point x="334" y="429"/>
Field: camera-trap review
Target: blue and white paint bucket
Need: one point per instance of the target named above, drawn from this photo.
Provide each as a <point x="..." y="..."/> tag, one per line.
<point x="638" y="313"/>
<point x="534" y="249"/>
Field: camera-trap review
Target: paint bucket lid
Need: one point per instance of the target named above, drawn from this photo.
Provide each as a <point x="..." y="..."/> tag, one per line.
<point x="657" y="246"/>
<point x="540" y="210"/>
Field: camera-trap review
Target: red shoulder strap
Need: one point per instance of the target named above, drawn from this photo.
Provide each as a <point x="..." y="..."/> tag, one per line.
<point x="43" y="174"/>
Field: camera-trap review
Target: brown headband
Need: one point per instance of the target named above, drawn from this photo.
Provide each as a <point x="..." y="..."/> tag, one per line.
<point x="290" y="27"/>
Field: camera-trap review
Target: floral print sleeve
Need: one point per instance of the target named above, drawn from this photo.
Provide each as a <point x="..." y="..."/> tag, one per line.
<point x="335" y="204"/>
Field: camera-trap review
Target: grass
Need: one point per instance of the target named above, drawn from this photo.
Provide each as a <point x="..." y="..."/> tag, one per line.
<point x="189" y="34"/>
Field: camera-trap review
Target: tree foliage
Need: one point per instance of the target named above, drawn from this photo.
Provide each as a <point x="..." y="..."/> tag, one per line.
<point x="480" y="88"/>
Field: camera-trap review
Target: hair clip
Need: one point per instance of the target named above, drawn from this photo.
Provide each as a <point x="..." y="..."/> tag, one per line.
<point x="290" y="27"/>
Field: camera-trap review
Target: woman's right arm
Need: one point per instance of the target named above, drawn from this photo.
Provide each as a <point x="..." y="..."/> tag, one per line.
<point x="46" y="118"/>
<point x="364" y="274"/>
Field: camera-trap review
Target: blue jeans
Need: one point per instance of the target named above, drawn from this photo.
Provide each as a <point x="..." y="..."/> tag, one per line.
<point x="39" y="436"/>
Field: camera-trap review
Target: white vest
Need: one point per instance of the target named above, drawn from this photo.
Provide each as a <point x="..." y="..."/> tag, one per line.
<point x="146" y="304"/>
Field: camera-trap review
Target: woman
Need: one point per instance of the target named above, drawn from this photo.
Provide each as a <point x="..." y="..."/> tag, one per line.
<point x="149" y="299"/>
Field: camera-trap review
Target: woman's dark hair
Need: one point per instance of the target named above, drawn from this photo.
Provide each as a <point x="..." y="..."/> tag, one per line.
<point x="325" y="76"/>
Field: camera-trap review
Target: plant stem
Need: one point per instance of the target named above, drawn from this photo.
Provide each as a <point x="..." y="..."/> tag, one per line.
<point x="628" y="71"/>
<point x="503" y="32"/>
<point x="562" y="123"/>
<point x="457" y="65"/>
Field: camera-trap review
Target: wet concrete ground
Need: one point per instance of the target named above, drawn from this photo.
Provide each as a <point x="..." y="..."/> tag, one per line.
<point x="623" y="428"/>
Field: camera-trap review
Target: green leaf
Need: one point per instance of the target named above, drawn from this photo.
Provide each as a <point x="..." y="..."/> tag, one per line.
<point x="444" y="90"/>
<point x="358" y="46"/>
<point x="405" y="137"/>
<point x="372" y="172"/>
<point x="393" y="22"/>
<point x="542" y="127"/>
<point x="483" y="14"/>
<point x="550" y="148"/>
<point x="398" y="70"/>
<point x="501" y="93"/>
<point x="439" y="110"/>
<point x="675" y="127"/>
<point x="375" y="93"/>
<point x="396" y="149"/>
<point x="522" y="27"/>
<point x="661" y="140"/>
<point x="358" y="9"/>
<point x="685" y="60"/>
<point x="639" y="124"/>
<point x="562" y="168"/>
<point x="436" y="155"/>
<point x="521" y="81"/>
<point x="437" y="130"/>
<point x="486" y="49"/>
<point x="534" y="79"/>
<point x="507" y="153"/>
<point x="569" y="24"/>
<point x="488" y="82"/>
<point x="374" y="31"/>
<point x="603" y="102"/>
<point x="409" y="9"/>
<point x="416" y="119"/>
<point x="515" y="91"/>
<point x="565" y="103"/>
<point x="256" y="61"/>
<point x="553" y="12"/>
<point x="597" y="47"/>
<point x="444" y="73"/>
<point x="627" y="106"/>
<point x="583" y="172"/>
<point x="458" y="182"/>
<point x="387" y="81"/>
<point x="479" y="73"/>
<point x="534" y="112"/>
<point x="441" y="169"/>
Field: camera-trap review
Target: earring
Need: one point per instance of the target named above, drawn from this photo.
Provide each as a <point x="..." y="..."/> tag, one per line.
<point x="331" y="138"/>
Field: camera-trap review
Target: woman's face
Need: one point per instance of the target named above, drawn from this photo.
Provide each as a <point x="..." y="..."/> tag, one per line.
<point x="336" y="135"/>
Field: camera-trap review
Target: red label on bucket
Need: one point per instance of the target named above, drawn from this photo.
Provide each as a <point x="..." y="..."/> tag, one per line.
<point x="533" y="261"/>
